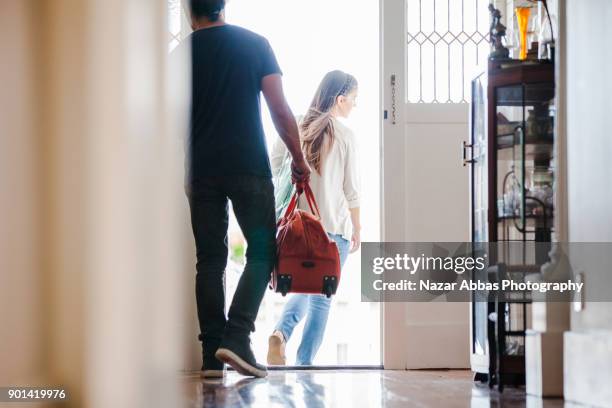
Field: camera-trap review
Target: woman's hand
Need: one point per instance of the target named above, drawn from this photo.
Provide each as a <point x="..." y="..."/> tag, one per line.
<point x="355" y="240"/>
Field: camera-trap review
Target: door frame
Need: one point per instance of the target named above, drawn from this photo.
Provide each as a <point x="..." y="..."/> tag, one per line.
<point x="396" y="115"/>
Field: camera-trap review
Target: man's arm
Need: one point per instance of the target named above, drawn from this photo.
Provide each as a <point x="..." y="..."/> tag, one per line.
<point x="277" y="156"/>
<point x="284" y="122"/>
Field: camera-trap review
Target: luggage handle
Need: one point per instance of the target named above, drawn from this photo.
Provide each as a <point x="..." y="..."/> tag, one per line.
<point x="312" y="203"/>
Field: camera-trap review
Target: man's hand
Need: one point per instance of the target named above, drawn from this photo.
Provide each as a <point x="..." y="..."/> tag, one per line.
<point x="300" y="173"/>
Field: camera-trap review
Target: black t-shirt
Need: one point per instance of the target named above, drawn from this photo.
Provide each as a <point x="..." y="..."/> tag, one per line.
<point x="227" y="136"/>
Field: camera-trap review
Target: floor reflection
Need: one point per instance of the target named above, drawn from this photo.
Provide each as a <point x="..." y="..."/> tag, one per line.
<point x="355" y="388"/>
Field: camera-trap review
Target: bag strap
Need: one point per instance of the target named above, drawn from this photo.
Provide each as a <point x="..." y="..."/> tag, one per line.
<point x="312" y="203"/>
<point x="290" y="208"/>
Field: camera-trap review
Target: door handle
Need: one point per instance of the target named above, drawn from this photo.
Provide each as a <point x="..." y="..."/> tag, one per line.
<point x="465" y="160"/>
<point x="393" y="100"/>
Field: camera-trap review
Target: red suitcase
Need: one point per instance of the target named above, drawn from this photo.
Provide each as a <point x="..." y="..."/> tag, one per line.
<point x="307" y="259"/>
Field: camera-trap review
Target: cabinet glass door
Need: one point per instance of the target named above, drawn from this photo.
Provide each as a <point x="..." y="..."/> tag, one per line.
<point x="524" y="144"/>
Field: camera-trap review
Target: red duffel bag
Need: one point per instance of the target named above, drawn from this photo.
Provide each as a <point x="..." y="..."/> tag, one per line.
<point x="307" y="259"/>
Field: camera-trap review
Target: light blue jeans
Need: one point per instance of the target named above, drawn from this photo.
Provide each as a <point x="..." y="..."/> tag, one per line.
<point x="317" y="308"/>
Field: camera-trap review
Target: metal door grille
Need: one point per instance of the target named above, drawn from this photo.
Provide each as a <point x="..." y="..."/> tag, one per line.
<point x="447" y="46"/>
<point x="174" y="24"/>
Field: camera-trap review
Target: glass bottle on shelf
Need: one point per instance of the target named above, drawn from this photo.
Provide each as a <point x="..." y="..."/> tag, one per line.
<point x="546" y="42"/>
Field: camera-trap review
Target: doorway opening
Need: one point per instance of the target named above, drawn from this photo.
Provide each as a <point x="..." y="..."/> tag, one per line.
<point x="310" y="38"/>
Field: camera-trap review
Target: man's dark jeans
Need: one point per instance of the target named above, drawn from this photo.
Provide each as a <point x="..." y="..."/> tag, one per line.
<point x="252" y="199"/>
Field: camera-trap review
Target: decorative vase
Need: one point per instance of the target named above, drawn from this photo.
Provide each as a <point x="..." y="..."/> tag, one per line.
<point x="522" y="17"/>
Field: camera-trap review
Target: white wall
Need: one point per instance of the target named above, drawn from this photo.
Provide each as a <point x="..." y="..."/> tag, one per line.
<point x="589" y="108"/>
<point x="90" y="190"/>
<point x="588" y="346"/>
<point x="19" y="290"/>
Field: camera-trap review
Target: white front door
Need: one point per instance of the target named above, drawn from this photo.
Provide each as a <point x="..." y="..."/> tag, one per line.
<point x="425" y="188"/>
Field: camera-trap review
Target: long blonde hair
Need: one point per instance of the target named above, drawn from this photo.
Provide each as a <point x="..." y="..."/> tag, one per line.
<point x="317" y="122"/>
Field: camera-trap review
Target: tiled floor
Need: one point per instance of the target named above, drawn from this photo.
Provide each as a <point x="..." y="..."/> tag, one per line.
<point x="354" y="388"/>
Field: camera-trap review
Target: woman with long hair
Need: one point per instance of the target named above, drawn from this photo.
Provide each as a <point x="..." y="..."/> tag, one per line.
<point x="329" y="148"/>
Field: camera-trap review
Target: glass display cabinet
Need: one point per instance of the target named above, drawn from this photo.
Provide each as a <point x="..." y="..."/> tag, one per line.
<point x="512" y="162"/>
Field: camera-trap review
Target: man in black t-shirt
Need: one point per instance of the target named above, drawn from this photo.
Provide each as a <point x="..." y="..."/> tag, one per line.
<point x="228" y="160"/>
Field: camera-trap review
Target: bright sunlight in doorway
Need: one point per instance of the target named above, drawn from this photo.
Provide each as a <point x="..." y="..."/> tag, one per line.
<point x="312" y="38"/>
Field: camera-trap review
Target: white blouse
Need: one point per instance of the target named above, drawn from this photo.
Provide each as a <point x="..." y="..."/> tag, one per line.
<point x="336" y="189"/>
